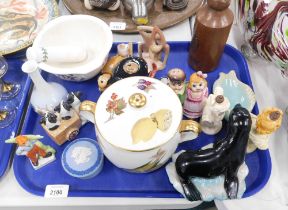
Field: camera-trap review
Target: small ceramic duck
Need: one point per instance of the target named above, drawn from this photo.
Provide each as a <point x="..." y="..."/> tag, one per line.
<point x="196" y="95"/>
<point x="263" y="126"/>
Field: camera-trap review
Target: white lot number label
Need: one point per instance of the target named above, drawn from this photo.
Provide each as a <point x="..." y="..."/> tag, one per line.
<point x="117" y="26"/>
<point x="56" y="191"/>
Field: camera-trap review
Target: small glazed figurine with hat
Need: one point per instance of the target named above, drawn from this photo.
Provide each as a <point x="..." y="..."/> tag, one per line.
<point x="196" y="95"/>
<point x="176" y="80"/>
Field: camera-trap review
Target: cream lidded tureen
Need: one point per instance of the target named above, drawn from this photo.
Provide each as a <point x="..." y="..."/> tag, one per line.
<point x="138" y="123"/>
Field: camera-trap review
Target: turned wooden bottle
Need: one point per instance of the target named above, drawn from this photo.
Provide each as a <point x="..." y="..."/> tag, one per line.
<point x="211" y="30"/>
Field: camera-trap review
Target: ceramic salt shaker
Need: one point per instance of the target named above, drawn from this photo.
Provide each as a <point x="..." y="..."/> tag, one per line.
<point x="196" y="95"/>
<point x="211" y="30"/>
<point x="214" y="111"/>
<point x="176" y="80"/>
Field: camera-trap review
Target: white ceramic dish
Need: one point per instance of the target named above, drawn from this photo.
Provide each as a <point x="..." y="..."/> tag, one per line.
<point x="83" y="31"/>
<point x="236" y="91"/>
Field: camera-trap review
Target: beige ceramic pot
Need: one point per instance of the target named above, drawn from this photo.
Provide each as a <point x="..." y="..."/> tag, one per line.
<point x="138" y="123"/>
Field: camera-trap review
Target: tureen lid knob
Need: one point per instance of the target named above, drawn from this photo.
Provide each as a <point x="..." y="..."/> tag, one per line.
<point x="274" y="115"/>
<point x="219" y="99"/>
<point x="137" y="100"/>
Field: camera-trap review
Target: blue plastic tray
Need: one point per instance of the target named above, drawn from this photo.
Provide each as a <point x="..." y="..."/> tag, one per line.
<point x="114" y="182"/>
<point x="14" y="73"/>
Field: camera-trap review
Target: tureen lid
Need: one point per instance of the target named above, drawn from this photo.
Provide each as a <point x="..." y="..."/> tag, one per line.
<point x="138" y="113"/>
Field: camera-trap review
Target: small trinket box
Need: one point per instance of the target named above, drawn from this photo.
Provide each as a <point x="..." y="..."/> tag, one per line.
<point x="82" y="158"/>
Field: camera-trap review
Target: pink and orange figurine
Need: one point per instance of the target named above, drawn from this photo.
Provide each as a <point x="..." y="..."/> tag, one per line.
<point x="196" y="95"/>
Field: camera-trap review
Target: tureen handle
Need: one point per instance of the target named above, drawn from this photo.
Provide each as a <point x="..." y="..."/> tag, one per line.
<point x="189" y="130"/>
<point x="87" y="110"/>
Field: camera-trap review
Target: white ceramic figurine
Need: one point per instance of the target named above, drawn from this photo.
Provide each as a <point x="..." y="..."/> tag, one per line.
<point x="214" y="111"/>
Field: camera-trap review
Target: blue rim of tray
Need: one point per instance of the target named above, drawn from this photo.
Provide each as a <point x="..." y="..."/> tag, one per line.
<point x="9" y="148"/>
<point x="264" y="179"/>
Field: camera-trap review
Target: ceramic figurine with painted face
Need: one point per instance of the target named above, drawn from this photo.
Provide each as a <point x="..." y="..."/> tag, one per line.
<point x="102" y="4"/>
<point x="176" y="80"/>
<point x="214" y="111"/>
<point x="224" y="159"/>
<point x="31" y="146"/>
<point x="196" y="95"/>
<point x="263" y="126"/>
<point x="154" y="47"/>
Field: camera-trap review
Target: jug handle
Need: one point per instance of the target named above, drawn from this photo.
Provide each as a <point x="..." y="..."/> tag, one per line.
<point x="87" y="110"/>
<point x="189" y="130"/>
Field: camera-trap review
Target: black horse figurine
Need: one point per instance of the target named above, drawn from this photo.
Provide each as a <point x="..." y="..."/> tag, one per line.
<point x="225" y="158"/>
